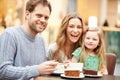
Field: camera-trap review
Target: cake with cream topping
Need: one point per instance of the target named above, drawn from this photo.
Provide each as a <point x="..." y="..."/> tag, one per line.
<point x="72" y="73"/>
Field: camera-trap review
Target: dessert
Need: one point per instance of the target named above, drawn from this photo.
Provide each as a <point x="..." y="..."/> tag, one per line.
<point x="73" y="69"/>
<point x="89" y="72"/>
<point x="72" y="73"/>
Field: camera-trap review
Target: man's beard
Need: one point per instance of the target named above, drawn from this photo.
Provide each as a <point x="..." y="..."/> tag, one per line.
<point x="33" y="27"/>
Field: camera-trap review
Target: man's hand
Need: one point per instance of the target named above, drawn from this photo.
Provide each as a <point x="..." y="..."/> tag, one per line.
<point x="47" y="67"/>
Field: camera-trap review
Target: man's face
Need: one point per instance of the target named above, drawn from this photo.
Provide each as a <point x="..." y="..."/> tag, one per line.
<point x="38" y="19"/>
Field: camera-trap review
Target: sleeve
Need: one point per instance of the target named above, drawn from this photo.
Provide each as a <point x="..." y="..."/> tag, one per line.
<point x="7" y="69"/>
<point x="44" y="55"/>
<point x="50" y="51"/>
<point x="77" y="54"/>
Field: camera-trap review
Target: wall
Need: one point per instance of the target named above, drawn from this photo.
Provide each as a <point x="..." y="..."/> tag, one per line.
<point x="88" y="8"/>
<point x="112" y="12"/>
<point x="95" y="8"/>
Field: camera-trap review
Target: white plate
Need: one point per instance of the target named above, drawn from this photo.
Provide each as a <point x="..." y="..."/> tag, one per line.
<point x="98" y="75"/>
<point x="69" y="77"/>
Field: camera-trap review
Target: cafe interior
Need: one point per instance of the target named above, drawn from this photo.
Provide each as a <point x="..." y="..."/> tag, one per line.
<point x="103" y="13"/>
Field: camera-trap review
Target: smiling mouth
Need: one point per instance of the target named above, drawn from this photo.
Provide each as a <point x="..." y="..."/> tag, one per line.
<point x="90" y="44"/>
<point x="74" y="36"/>
<point x="40" y="25"/>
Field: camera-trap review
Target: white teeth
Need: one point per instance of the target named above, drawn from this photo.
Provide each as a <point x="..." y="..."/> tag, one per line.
<point x="73" y="35"/>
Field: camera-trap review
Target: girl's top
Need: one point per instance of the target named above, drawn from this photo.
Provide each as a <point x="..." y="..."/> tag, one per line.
<point x="91" y="62"/>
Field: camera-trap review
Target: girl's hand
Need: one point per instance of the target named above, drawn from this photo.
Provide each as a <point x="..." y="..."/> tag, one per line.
<point x="103" y="70"/>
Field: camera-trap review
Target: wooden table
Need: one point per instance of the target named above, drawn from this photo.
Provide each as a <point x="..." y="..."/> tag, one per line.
<point x="105" y="77"/>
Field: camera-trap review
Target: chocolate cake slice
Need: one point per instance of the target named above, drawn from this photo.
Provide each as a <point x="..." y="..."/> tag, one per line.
<point x="89" y="72"/>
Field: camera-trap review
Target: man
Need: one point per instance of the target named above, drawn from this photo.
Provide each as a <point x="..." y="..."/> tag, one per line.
<point x="22" y="49"/>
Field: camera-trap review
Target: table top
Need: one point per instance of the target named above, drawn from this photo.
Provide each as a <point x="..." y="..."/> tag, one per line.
<point x="53" y="77"/>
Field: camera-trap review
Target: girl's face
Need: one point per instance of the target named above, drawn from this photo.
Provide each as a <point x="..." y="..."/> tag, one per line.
<point x="74" y="30"/>
<point x="91" y="40"/>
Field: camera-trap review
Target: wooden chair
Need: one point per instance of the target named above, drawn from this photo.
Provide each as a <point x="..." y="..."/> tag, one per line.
<point x="111" y="62"/>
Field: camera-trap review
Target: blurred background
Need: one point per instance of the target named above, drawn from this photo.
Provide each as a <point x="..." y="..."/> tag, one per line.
<point x="106" y="12"/>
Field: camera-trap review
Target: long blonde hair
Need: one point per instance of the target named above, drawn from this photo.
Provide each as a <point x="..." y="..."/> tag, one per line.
<point x="62" y="36"/>
<point x="99" y="50"/>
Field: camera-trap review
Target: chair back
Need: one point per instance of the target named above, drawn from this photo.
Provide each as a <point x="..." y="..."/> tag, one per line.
<point x="111" y="62"/>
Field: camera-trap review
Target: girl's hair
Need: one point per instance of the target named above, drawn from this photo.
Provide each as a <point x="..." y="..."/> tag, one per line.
<point x="31" y="4"/>
<point x="99" y="50"/>
<point x="62" y="36"/>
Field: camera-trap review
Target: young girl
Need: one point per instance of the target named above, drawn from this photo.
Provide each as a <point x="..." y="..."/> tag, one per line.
<point x="92" y="53"/>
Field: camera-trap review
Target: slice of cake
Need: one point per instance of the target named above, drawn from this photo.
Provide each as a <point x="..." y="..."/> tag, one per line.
<point x="73" y="69"/>
<point x="89" y="72"/>
<point x="72" y="73"/>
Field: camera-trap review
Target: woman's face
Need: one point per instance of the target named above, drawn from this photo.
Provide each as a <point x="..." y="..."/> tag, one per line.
<point x="91" y="40"/>
<point x="74" y="30"/>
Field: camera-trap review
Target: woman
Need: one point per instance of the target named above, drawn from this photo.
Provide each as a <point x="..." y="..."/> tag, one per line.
<point x="69" y="38"/>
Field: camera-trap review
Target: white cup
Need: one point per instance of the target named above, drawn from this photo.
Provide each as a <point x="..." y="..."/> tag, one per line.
<point x="76" y="66"/>
<point x="59" y="68"/>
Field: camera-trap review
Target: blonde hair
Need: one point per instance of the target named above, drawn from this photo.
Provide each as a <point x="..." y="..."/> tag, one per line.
<point x="99" y="50"/>
<point x="61" y="38"/>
